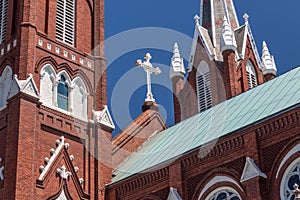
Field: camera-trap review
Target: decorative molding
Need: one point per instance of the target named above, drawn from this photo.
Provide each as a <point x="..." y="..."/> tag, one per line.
<point x="218" y="149"/>
<point x="54" y="153"/>
<point x="63" y="173"/>
<point x="251" y="170"/>
<point x="277" y="125"/>
<point x="143" y="181"/>
<point x="173" y="195"/>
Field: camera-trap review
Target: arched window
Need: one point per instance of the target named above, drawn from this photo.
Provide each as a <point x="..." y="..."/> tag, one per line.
<point x="3" y="19"/>
<point x="203" y="87"/>
<point x="290" y="177"/>
<point x="62" y="93"/>
<point x="65" y="21"/>
<point x="5" y="85"/>
<point x="79" y="98"/>
<point x="223" y="193"/>
<point x="251" y="75"/>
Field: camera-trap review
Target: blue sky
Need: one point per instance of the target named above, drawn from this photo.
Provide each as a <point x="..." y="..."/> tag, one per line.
<point x="128" y="38"/>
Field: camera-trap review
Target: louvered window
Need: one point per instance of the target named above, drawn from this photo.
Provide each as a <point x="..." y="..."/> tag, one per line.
<point x="65" y="21"/>
<point x="251" y="75"/>
<point x="3" y="19"/>
<point x="203" y="87"/>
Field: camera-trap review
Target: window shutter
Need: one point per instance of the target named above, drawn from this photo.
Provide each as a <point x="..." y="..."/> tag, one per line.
<point x="65" y="21"/>
<point x="204" y="92"/>
<point x="251" y="75"/>
<point x="3" y="19"/>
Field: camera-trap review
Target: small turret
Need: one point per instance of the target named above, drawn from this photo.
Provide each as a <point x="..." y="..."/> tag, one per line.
<point x="269" y="69"/>
<point x="228" y="41"/>
<point x="177" y="65"/>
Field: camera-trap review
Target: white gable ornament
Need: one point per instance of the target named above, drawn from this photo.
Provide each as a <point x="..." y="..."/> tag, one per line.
<point x="251" y="170"/>
<point x="103" y="117"/>
<point x="173" y="195"/>
<point x="64" y="174"/>
<point x="27" y="86"/>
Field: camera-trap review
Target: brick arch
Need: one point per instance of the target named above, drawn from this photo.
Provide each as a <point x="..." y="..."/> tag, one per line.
<point x="63" y="187"/>
<point x="281" y="163"/>
<point x="9" y="61"/>
<point x="210" y="183"/>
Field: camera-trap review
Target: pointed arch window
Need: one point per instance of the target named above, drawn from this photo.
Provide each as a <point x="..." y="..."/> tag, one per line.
<point x="65" y="21"/>
<point x="3" y="19"/>
<point x="203" y="87"/>
<point x="62" y="93"/>
<point x="251" y="75"/>
<point x="290" y="177"/>
<point x="224" y="193"/>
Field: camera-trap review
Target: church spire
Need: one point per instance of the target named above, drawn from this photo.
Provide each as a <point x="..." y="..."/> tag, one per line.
<point x="211" y="18"/>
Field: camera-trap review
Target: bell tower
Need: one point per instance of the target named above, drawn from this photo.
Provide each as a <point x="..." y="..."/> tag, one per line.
<point x="55" y="127"/>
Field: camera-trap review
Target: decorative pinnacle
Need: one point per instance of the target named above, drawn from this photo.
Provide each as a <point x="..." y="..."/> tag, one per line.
<point x="63" y="172"/>
<point x="149" y="69"/>
<point x="268" y="61"/>
<point x="177" y="65"/>
<point x="246" y="17"/>
<point x="197" y="18"/>
<point x="227" y="39"/>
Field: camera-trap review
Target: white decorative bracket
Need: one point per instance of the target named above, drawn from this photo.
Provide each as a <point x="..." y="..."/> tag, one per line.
<point x="149" y="69"/>
<point x="103" y="117"/>
<point x="54" y="153"/>
<point x="63" y="172"/>
<point x="251" y="170"/>
<point x="1" y="171"/>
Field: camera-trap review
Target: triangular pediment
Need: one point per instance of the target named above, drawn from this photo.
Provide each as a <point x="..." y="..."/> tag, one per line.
<point x="251" y="170"/>
<point x="103" y="117"/>
<point x="27" y="86"/>
<point x="59" y="169"/>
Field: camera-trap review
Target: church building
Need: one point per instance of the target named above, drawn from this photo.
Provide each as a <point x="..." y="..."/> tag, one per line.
<point x="237" y="127"/>
<point x="236" y="133"/>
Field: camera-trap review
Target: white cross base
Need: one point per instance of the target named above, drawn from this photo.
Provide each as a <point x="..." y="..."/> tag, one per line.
<point x="149" y="69"/>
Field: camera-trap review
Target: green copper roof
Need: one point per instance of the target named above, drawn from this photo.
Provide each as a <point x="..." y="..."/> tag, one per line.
<point x="243" y="110"/>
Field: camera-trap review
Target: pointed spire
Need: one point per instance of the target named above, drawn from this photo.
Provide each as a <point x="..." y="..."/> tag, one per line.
<point x="268" y="62"/>
<point x="228" y="41"/>
<point x="177" y="65"/>
<point x="197" y="18"/>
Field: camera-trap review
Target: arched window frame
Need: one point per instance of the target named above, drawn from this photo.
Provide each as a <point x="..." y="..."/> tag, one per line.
<point x="65" y="21"/>
<point x="214" y="194"/>
<point x="203" y="86"/>
<point x="78" y="82"/>
<point x="286" y="189"/>
<point x="67" y="83"/>
<point x="251" y="75"/>
<point x="3" y="19"/>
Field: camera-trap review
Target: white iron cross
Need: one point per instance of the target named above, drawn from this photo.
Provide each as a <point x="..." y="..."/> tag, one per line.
<point x="149" y="69"/>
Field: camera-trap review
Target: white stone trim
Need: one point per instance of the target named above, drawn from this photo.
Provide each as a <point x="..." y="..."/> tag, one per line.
<point x="221" y="189"/>
<point x="218" y="179"/>
<point x="104" y="117"/>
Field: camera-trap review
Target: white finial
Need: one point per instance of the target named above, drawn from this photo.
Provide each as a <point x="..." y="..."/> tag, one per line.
<point x="246" y="17"/>
<point x="228" y="41"/>
<point x="1" y="171"/>
<point x="197" y="18"/>
<point x="63" y="172"/>
<point x="296" y="191"/>
<point x="268" y="62"/>
<point x="149" y="69"/>
<point x="177" y="65"/>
